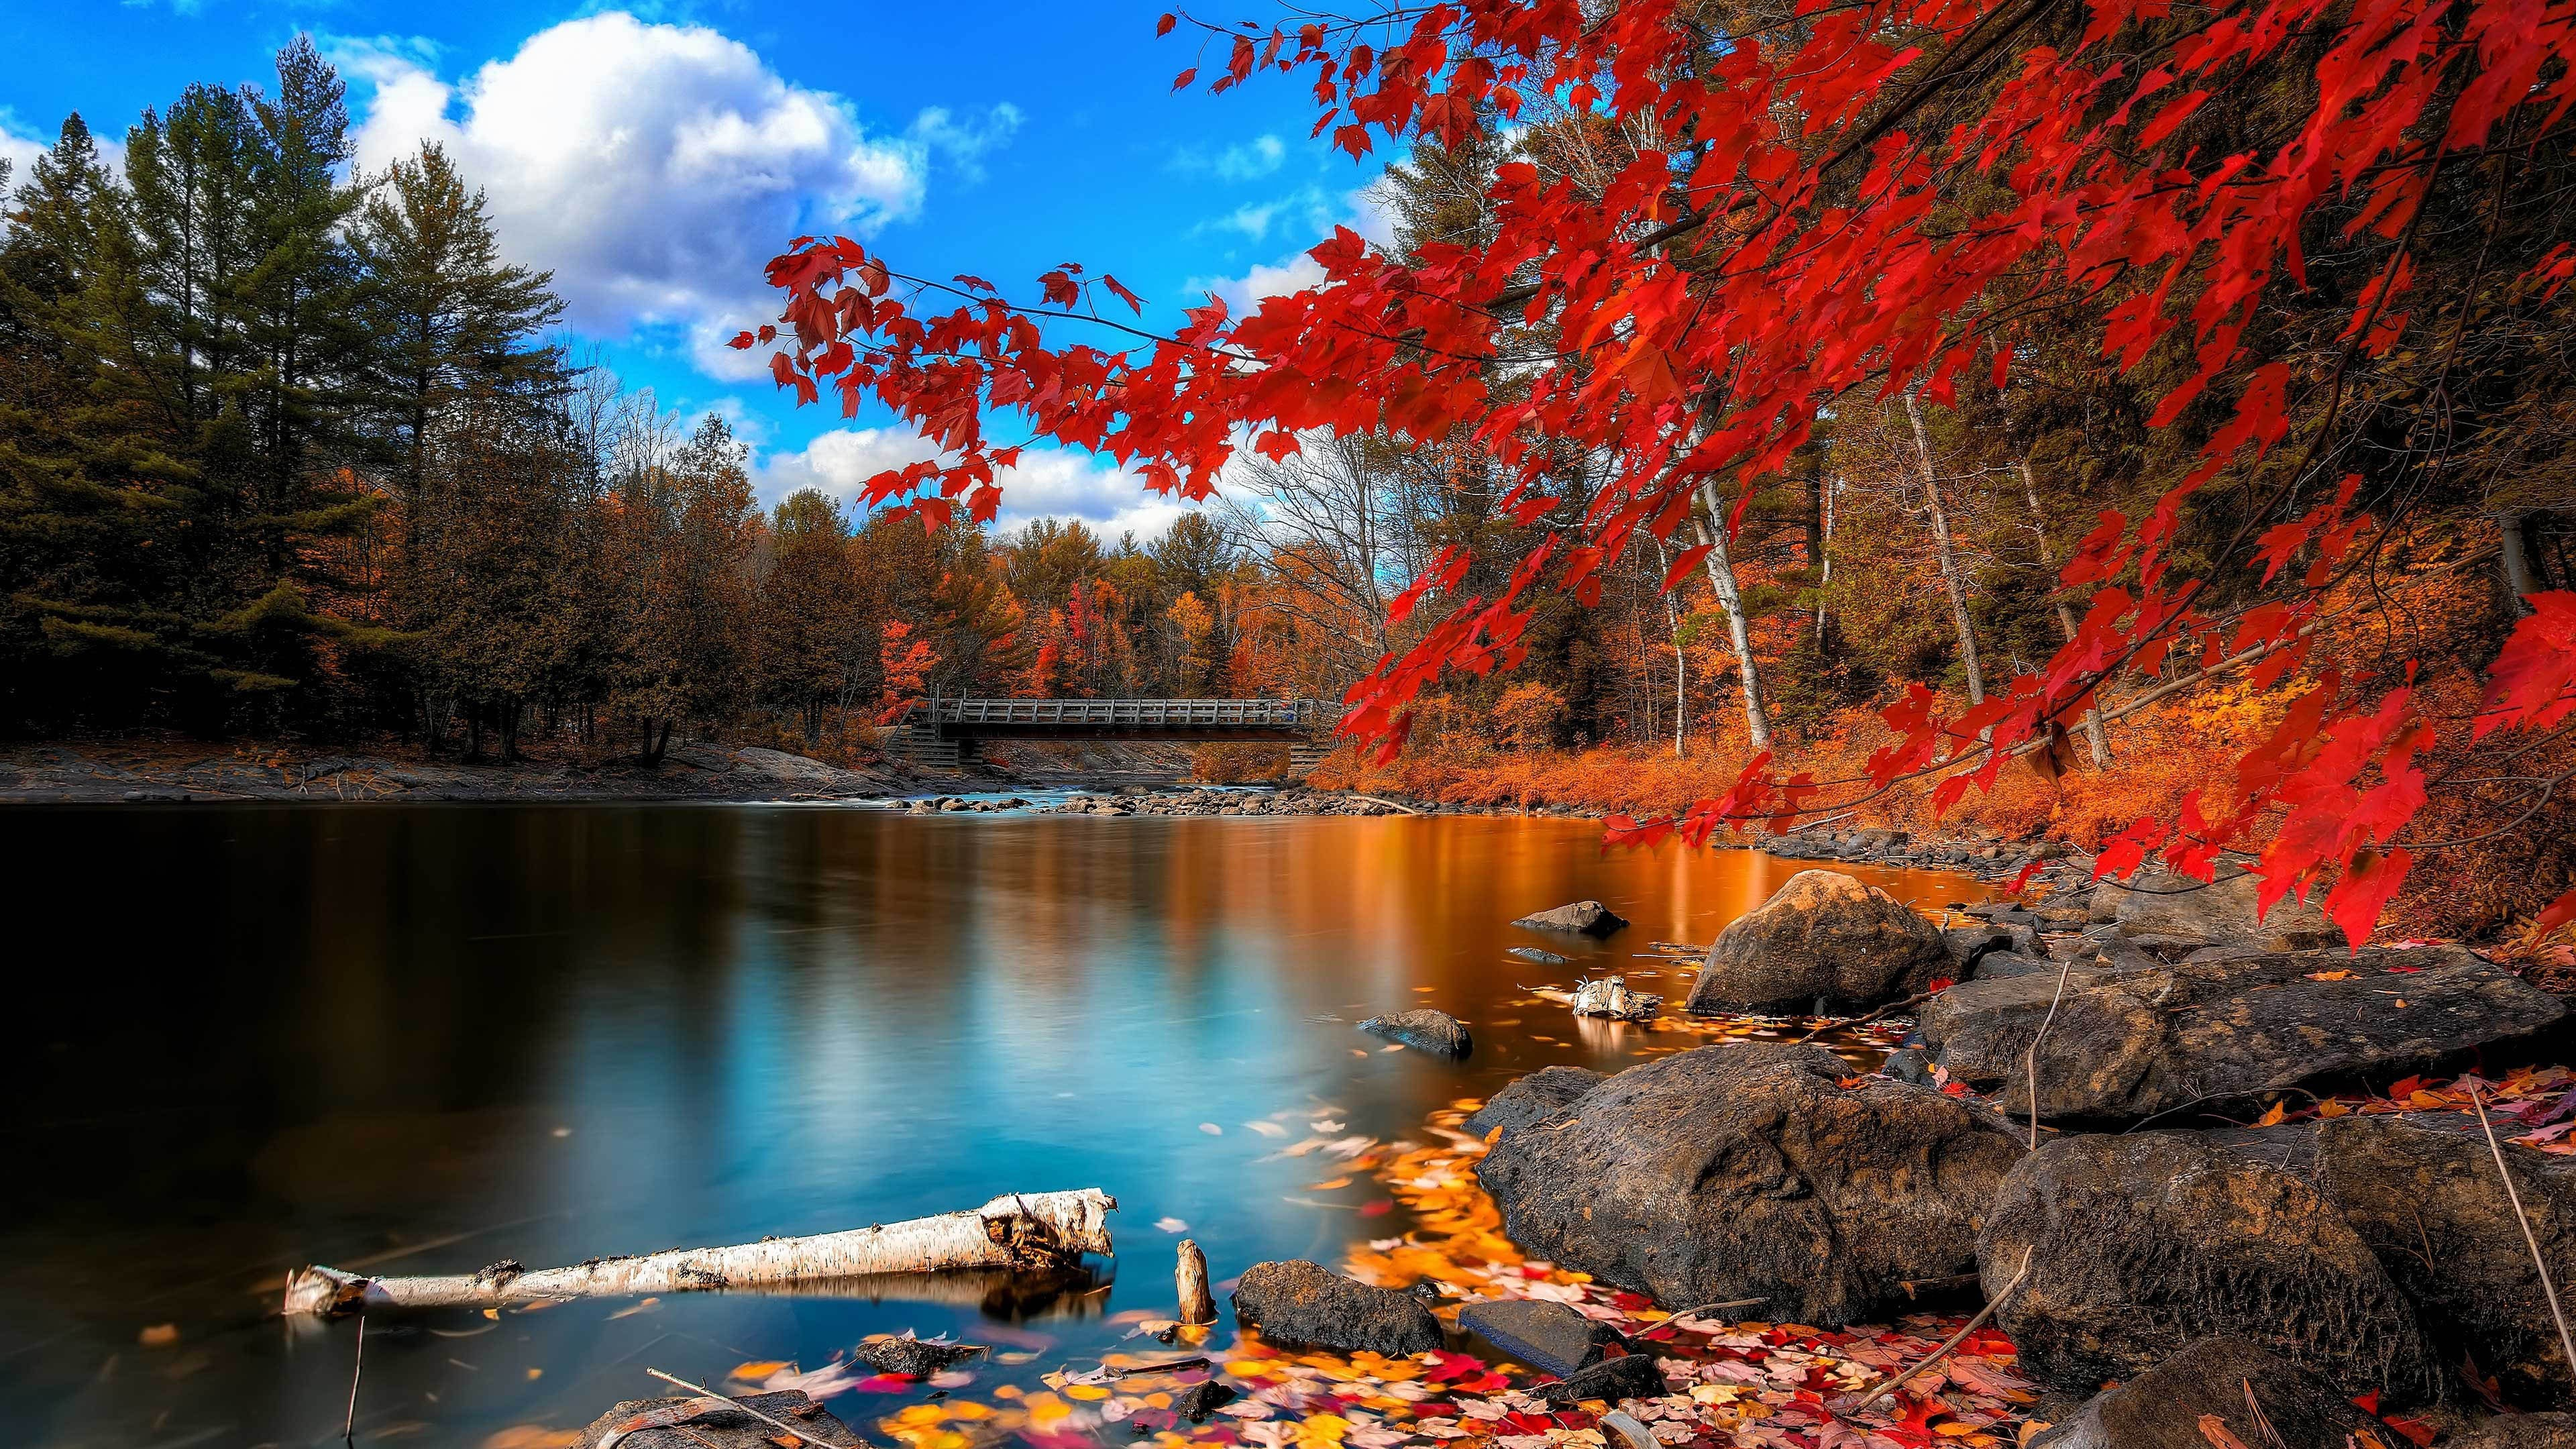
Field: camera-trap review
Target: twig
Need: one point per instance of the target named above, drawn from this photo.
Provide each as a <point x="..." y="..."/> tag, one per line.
<point x="1713" y="1307"/>
<point x="2566" y="1342"/>
<point x="2030" y="1059"/>
<point x="1953" y="1341"/>
<point x="1917" y="999"/>
<point x="801" y="1436"/>
<point x="357" y="1366"/>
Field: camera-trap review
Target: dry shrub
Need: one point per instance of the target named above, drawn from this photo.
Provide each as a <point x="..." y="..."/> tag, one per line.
<point x="1235" y="764"/>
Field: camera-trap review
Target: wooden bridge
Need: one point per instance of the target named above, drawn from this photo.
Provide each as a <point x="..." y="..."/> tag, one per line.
<point x="948" y="732"/>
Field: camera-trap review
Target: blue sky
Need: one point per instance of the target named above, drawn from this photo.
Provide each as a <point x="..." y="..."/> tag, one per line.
<point x="654" y="156"/>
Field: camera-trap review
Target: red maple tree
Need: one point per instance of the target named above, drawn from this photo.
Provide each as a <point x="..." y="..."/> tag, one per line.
<point x="1857" y="198"/>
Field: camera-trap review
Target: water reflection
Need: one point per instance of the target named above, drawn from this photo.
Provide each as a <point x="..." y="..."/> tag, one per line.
<point x="424" y="1039"/>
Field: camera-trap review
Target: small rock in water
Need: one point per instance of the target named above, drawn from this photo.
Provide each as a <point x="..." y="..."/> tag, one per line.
<point x="1547" y="1336"/>
<point x="913" y="1357"/>
<point x="1302" y="1302"/>
<point x="1633" y="1376"/>
<point x="1424" y="1029"/>
<point x="1532" y="953"/>
<point x="1586" y="918"/>
<point x="1201" y="1399"/>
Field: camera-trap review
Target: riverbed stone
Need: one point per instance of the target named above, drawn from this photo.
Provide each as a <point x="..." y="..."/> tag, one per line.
<point x="1583" y="918"/>
<point x="2138" y="1244"/>
<point x="1549" y="1337"/>
<point x="1424" y="1029"/>
<point x="2428" y="1202"/>
<point x="717" y="1428"/>
<point x="1614" y="1380"/>
<point x="2129" y="1045"/>
<point x="1536" y="956"/>
<point x="1823" y="936"/>
<point x="1753" y="1171"/>
<point x="2222" y="912"/>
<point x="2211" y="1378"/>
<point x="1302" y="1302"/>
<point x="1540" y="1094"/>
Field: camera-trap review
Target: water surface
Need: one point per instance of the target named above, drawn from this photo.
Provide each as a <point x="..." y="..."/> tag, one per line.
<point x="420" y="1039"/>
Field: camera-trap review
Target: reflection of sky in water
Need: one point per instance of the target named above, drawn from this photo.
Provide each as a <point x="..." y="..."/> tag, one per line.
<point x="459" y="1034"/>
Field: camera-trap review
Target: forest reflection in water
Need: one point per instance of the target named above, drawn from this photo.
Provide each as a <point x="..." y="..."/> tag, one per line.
<point x="424" y="1039"/>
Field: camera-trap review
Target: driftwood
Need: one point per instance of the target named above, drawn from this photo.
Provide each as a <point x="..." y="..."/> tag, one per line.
<point x="1022" y="1230"/>
<point x="1189" y="1276"/>
<point x="1608" y="997"/>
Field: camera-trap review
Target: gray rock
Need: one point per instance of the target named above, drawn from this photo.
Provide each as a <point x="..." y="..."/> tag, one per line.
<point x="1541" y="1094"/>
<point x="2219" y="913"/>
<point x="2429" y="1204"/>
<point x="1203" y="1398"/>
<point x="1532" y="953"/>
<point x="1750" y="1171"/>
<point x="2212" y="1378"/>
<point x="1586" y="918"/>
<point x="1301" y="1302"/>
<point x="2129" y="1045"/>
<point x="1549" y="1337"/>
<point x="2006" y="965"/>
<point x="719" y="1428"/>
<point x="1822" y="936"/>
<point x="1631" y="1376"/>
<point x="2139" y="1244"/>
<point x="903" y="1354"/>
<point x="1424" y="1029"/>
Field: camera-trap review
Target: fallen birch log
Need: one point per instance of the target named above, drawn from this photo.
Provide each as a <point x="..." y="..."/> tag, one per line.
<point x="1022" y="1230"/>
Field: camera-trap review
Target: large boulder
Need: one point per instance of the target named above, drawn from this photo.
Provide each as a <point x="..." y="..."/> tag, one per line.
<point x="1752" y="1171"/>
<point x="2181" y="912"/>
<point x="2428" y="1202"/>
<point x="2230" y="1380"/>
<point x="2129" y="1045"/>
<point x="2138" y="1244"/>
<point x="1540" y="1094"/>
<point x="1823" y="936"/>
<point x="2519" y="1431"/>
<point x="1302" y="1302"/>
<point x="1424" y="1029"/>
<point x="1583" y="918"/>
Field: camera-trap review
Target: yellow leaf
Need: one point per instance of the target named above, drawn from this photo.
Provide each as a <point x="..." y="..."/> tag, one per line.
<point x="1329" y="1184"/>
<point x="529" y="1436"/>
<point x="2329" y="976"/>
<point x="1085" y="1391"/>
<point x="759" y="1369"/>
<point x="160" y="1335"/>
<point x="2273" y="1117"/>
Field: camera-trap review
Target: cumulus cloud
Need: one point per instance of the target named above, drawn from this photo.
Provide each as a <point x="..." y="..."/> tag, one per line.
<point x="1361" y="211"/>
<point x="19" y="146"/>
<point x="654" y="168"/>
<point x="1244" y="161"/>
<point x="1047" y="482"/>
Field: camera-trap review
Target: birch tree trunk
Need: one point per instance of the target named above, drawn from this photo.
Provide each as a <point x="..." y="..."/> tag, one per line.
<point x="2093" y="736"/>
<point x="1021" y="1230"/>
<point x="1947" y="556"/>
<point x="2514" y="557"/>
<point x="1721" y="577"/>
<point x="1673" y="625"/>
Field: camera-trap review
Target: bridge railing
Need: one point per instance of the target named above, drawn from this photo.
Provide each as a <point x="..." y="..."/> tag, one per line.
<point x="1127" y="713"/>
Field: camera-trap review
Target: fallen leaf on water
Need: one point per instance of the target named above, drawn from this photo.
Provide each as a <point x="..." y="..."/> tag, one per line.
<point x="1171" y="1225"/>
<point x="1329" y="1184"/>
<point x="1266" y="1129"/>
<point x="535" y="1374"/>
<point x="1211" y="1129"/>
<point x="647" y="1306"/>
<point x="759" y="1369"/>
<point x="531" y="1436"/>
<point x="1379" y="1208"/>
<point x="160" y="1335"/>
<point x="1397" y="1046"/>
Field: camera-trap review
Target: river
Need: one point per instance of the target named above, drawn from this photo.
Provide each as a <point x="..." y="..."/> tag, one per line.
<point x="420" y="1039"/>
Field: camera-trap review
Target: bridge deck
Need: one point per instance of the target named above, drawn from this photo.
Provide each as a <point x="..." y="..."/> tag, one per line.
<point x="1164" y="719"/>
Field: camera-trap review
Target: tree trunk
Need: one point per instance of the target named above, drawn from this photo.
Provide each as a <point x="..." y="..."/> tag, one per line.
<point x="2093" y="736"/>
<point x="1947" y="556"/>
<point x="1018" y="1230"/>
<point x="1825" y="559"/>
<point x="1681" y="663"/>
<point x="2514" y="556"/>
<point x="1721" y="577"/>
<point x="1189" y="1276"/>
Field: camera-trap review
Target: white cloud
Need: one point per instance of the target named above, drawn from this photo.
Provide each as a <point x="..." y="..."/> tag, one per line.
<point x="19" y="146"/>
<point x="1245" y="161"/>
<point x="655" y="168"/>
<point x="1047" y="482"/>
<point x="1360" y="211"/>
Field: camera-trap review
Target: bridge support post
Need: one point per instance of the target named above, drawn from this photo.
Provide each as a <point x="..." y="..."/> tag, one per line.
<point x="1306" y="755"/>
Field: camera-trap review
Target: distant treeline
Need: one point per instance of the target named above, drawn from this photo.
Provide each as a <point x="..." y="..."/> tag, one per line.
<point x="286" y="449"/>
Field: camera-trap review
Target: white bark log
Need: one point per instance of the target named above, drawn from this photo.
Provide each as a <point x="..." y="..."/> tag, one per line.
<point x="1022" y="1230"/>
<point x="1721" y="579"/>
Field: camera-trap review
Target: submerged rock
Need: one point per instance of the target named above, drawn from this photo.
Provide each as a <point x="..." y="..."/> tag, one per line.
<point x="2428" y="1202"/>
<point x="1549" y="1337"/>
<point x="2168" y="1406"/>
<point x="1534" y="954"/>
<point x="1424" y="1029"/>
<point x="2139" y="1244"/>
<point x="1540" y="1094"/>
<point x="1822" y="936"/>
<point x="2128" y="1045"/>
<point x="1751" y="1172"/>
<point x="904" y="1354"/>
<point x="1302" y="1302"/>
<point x="1586" y="918"/>
<point x="1203" y="1398"/>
